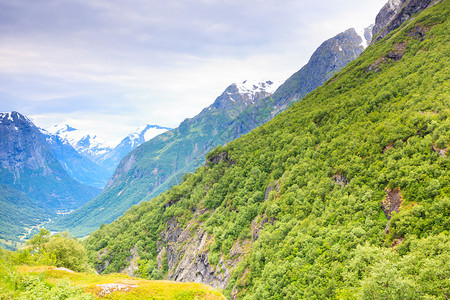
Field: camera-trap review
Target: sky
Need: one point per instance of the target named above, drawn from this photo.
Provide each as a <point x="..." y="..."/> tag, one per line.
<point x="109" y="66"/>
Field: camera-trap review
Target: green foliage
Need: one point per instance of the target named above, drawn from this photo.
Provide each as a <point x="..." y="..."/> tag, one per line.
<point x="58" y="250"/>
<point x="17" y="214"/>
<point x="15" y="285"/>
<point x="314" y="178"/>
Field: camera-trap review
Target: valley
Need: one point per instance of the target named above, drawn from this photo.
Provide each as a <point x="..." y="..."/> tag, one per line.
<point x="332" y="184"/>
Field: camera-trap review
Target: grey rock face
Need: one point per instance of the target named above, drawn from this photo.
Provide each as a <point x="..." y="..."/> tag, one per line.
<point x="188" y="257"/>
<point x="395" y="13"/>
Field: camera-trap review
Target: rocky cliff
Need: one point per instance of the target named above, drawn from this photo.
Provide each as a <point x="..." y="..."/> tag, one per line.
<point x="329" y="58"/>
<point x="395" y="13"/>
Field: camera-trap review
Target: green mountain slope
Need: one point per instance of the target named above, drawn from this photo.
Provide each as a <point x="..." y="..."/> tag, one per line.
<point x="345" y="195"/>
<point x="161" y="163"/>
<point x="18" y="213"/>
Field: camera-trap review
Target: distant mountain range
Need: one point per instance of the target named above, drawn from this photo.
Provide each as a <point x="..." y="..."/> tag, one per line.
<point x="86" y="144"/>
<point x="161" y="163"/>
<point x="144" y="133"/>
<point x="34" y="184"/>
<point x="43" y="173"/>
<point x="93" y="161"/>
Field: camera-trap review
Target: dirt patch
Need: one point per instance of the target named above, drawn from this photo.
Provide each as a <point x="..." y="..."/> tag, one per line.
<point x="392" y="202"/>
<point x="441" y="152"/>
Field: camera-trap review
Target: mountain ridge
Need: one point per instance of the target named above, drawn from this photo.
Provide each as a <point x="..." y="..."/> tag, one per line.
<point x="162" y="162"/>
<point x="299" y="207"/>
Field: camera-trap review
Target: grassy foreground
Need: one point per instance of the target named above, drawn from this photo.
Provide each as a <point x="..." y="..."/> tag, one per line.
<point x="44" y="282"/>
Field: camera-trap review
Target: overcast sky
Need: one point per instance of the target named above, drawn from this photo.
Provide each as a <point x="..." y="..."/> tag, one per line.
<point x="109" y="66"/>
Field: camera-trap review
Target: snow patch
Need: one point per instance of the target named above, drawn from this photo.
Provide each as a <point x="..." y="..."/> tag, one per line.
<point x="249" y="87"/>
<point x="82" y="141"/>
<point x="362" y="33"/>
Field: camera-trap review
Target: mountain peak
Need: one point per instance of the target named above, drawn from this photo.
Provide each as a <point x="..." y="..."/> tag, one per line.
<point x="12" y="117"/>
<point x="240" y="95"/>
<point x="253" y="87"/>
<point x="146" y="132"/>
<point x="85" y="143"/>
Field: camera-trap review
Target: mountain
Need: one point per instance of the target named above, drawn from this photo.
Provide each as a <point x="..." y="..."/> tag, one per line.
<point x="78" y="166"/>
<point x="345" y="195"/>
<point x="330" y="57"/>
<point x="160" y="163"/>
<point x="28" y="165"/>
<point x="141" y="135"/>
<point x="86" y="144"/>
<point x="394" y="13"/>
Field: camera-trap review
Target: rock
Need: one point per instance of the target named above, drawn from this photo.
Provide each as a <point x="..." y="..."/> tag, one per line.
<point x="133" y="259"/>
<point x="188" y="256"/>
<point x="108" y="288"/>
<point x="394" y="14"/>
<point x="65" y="269"/>
<point x="222" y="156"/>
<point x="340" y="179"/>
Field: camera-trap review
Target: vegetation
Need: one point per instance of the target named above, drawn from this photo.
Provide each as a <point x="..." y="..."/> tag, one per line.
<point x="317" y="178"/>
<point x="18" y="215"/>
<point x="44" y="282"/>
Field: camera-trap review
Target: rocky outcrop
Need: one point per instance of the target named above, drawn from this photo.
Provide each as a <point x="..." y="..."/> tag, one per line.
<point x="395" y="13"/>
<point x="340" y="179"/>
<point x="133" y="262"/>
<point x="188" y="257"/>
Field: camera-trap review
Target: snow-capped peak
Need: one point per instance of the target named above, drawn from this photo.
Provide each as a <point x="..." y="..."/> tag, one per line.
<point x="11" y="116"/>
<point x="146" y="132"/>
<point x="252" y="87"/>
<point x="83" y="142"/>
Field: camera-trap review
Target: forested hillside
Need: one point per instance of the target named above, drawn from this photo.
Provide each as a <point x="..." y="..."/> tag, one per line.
<point x="345" y="195"/>
<point x="159" y="164"/>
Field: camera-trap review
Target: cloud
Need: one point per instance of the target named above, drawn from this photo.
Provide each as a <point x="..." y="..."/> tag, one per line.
<point x="154" y="61"/>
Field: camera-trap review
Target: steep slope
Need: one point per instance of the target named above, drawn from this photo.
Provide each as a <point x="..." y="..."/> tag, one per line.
<point x="161" y="163"/>
<point x="141" y="135"/>
<point x="28" y="165"/>
<point x="18" y="214"/>
<point x="331" y="56"/>
<point x="345" y="195"/>
<point x="76" y="165"/>
<point x="394" y="13"/>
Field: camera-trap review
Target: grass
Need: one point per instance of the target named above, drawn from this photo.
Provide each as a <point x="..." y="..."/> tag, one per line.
<point x="107" y="286"/>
